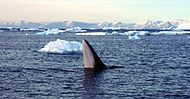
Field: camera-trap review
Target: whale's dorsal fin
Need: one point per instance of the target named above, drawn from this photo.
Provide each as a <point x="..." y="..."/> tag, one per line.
<point x="91" y="59"/>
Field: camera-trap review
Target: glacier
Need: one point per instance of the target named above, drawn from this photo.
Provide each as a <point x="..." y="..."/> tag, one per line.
<point x="184" y="26"/>
<point x="62" y="47"/>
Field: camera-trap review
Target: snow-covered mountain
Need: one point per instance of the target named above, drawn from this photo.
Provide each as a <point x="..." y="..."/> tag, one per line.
<point x="156" y="25"/>
<point x="63" y="24"/>
<point x="112" y="25"/>
<point x="163" y="25"/>
<point x="181" y="24"/>
<point x="169" y="25"/>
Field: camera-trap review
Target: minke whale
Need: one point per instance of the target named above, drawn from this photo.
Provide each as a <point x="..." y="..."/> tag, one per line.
<point x="91" y="59"/>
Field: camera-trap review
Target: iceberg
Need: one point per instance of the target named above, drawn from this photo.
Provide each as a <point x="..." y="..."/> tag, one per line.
<point x="136" y="32"/>
<point x="176" y="32"/>
<point x="142" y="32"/>
<point x="92" y="33"/>
<point x="29" y="29"/>
<point x="133" y="37"/>
<point x="116" y="33"/>
<point x="75" y="30"/>
<point x="62" y="46"/>
<point x="49" y="32"/>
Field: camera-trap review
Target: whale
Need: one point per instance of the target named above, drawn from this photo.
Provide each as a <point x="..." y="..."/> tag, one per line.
<point x="91" y="60"/>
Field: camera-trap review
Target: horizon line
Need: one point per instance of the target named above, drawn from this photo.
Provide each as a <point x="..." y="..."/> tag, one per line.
<point x="19" y="21"/>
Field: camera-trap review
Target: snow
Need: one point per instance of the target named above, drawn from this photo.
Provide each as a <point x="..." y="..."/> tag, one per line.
<point x="115" y="25"/>
<point x="185" y="25"/>
<point x="92" y="33"/>
<point x="62" y="46"/>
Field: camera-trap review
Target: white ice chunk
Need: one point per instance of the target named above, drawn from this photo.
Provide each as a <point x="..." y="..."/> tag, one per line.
<point x="75" y="30"/>
<point x="49" y="32"/>
<point x="92" y="33"/>
<point x="179" y="32"/>
<point x="133" y="37"/>
<point x="62" y="46"/>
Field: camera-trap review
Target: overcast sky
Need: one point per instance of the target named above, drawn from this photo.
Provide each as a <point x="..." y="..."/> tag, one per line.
<point x="93" y="10"/>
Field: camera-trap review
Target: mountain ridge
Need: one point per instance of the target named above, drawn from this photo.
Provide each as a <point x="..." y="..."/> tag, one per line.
<point x="148" y="24"/>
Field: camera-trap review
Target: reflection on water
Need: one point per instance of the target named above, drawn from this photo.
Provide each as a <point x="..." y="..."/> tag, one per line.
<point x="91" y="79"/>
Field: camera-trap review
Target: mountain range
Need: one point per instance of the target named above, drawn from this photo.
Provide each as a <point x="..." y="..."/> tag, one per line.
<point x="164" y="25"/>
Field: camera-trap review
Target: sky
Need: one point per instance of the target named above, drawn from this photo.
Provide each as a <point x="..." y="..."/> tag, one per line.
<point x="93" y="10"/>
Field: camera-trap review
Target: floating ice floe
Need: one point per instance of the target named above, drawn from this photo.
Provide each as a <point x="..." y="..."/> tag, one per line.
<point x="92" y="33"/>
<point x="136" y="32"/>
<point x="179" y="32"/>
<point x="49" y="32"/>
<point x="111" y="28"/>
<point x="116" y="33"/>
<point x="134" y="37"/>
<point x="62" y="46"/>
<point x="29" y="29"/>
<point x="128" y="33"/>
<point x="75" y="30"/>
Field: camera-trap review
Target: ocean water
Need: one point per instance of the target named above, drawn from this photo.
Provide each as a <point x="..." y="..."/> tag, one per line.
<point x="155" y="67"/>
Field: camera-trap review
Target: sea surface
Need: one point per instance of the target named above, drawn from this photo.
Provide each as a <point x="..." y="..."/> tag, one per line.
<point x="154" y="67"/>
